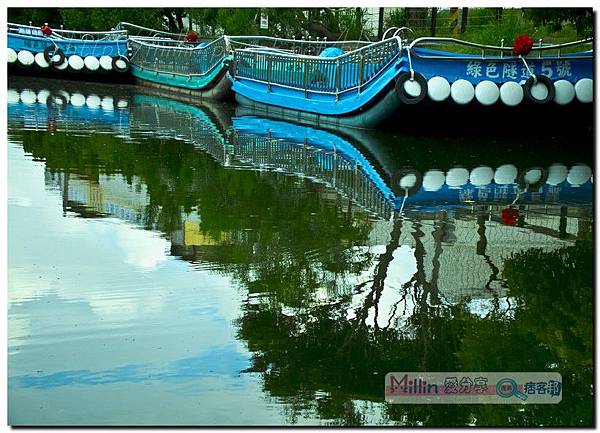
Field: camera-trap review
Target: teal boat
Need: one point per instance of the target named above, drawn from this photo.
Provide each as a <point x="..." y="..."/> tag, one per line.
<point x="171" y="62"/>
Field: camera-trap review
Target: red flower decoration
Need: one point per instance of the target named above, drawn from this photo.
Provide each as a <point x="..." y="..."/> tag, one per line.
<point x="523" y="45"/>
<point x="46" y="30"/>
<point x="191" y="37"/>
<point x="510" y="216"/>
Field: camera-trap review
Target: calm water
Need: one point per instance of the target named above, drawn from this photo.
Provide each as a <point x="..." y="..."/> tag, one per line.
<point x="173" y="264"/>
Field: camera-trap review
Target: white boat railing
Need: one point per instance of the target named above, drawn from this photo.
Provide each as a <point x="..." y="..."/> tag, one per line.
<point x="26" y="30"/>
<point x="177" y="59"/>
<point x="313" y="74"/>
<point x="483" y="50"/>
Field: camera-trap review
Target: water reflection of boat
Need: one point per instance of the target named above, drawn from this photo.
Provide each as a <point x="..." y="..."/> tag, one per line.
<point x="46" y="107"/>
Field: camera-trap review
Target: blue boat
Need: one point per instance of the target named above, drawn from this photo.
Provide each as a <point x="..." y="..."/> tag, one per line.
<point x="366" y="85"/>
<point x="67" y="50"/>
<point x="168" y="61"/>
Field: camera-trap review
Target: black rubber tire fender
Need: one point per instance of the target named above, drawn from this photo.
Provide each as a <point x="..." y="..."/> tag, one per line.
<point x="545" y="81"/>
<point x="401" y="92"/>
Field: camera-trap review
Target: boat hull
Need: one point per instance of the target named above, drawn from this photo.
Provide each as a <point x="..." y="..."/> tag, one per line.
<point x="215" y="86"/>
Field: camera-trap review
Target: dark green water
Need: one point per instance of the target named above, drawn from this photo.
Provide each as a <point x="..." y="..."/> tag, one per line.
<point x="159" y="275"/>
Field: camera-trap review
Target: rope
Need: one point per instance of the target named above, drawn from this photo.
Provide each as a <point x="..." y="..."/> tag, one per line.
<point x="403" y="201"/>
<point x="528" y="70"/>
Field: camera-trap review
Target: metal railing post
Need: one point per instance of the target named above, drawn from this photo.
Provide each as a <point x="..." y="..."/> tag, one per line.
<point x="360" y="71"/>
<point x="338" y="73"/>
<point x="305" y="78"/>
<point x="269" y="66"/>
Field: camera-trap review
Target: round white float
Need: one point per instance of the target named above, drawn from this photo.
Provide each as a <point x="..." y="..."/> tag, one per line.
<point x="42" y="96"/>
<point x="511" y="93"/>
<point x="122" y="103"/>
<point x="438" y="89"/>
<point x="557" y="173"/>
<point x="25" y="57"/>
<point x="77" y="99"/>
<point x="408" y="181"/>
<point x="40" y="60"/>
<point x="106" y="63"/>
<point x="481" y="176"/>
<point x="539" y="91"/>
<point x="506" y="174"/>
<point x="62" y="66"/>
<point x="457" y="177"/>
<point x="107" y="103"/>
<point x="462" y="92"/>
<point x="121" y="64"/>
<point x="532" y="176"/>
<point x="433" y="180"/>
<point x="12" y="96"/>
<point x="28" y="97"/>
<point x="93" y="101"/>
<point x="584" y="90"/>
<point x="76" y="62"/>
<point x="565" y="92"/>
<point x="578" y="175"/>
<point x="91" y="63"/>
<point x="11" y="55"/>
<point x="412" y="88"/>
<point x="487" y="92"/>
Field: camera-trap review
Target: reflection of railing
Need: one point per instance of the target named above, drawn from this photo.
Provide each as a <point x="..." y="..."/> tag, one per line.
<point x="193" y="127"/>
<point x="449" y="44"/>
<point x="67" y="34"/>
<point x="329" y="167"/>
<point x="333" y="75"/>
<point x="169" y="58"/>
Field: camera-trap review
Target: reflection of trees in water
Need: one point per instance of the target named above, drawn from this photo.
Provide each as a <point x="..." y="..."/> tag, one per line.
<point x="333" y="361"/>
<point x="311" y="351"/>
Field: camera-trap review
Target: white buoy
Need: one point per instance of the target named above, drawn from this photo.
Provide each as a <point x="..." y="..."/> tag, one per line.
<point x="433" y="180"/>
<point x="11" y="55"/>
<point x="77" y="99"/>
<point x="584" y="90"/>
<point x="565" y="92"/>
<point x="481" y="176"/>
<point x="76" y="62"/>
<point x="532" y="176"/>
<point x="91" y="63"/>
<point x="106" y="63"/>
<point x="122" y="103"/>
<point x="411" y="87"/>
<point x="511" y="93"/>
<point x="28" y="97"/>
<point x="578" y="175"/>
<point x="25" y="57"/>
<point x="93" y="101"/>
<point x="487" y="92"/>
<point x="539" y="91"/>
<point x="557" y="173"/>
<point x="42" y="96"/>
<point x="62" y="66"/>
<point x="438" y="89"/>
<point x="121" y="64"/>
<point x="506" y="174"/>
<point x="12" y="96"/>
<point x="457" y="177"/>
<point x="107" y="103"/>
<point x="40" y="60"/>
<point x="408" y="181"/>
<point x="462" y="92"/>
